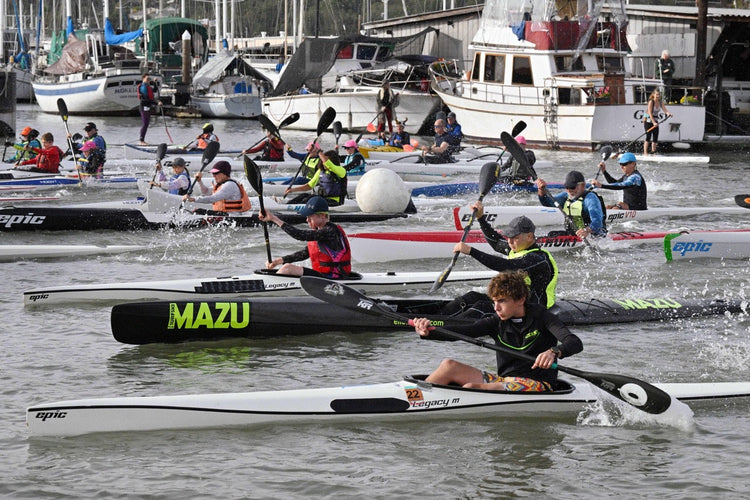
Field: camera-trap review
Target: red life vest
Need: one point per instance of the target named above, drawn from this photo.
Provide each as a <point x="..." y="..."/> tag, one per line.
<point x="241" y="205"/>
<point x="203" y="140"/>
<point x="334" y="264"/>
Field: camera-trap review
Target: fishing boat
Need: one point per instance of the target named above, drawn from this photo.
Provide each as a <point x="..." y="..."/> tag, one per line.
<point x="701" y="245"/>
<point x="551" y="216"/>
<point x="23" y="252"/>
<point x="264" y="317"/>
<point x="227" y="87"/>
<point x="346" y="73"/>
<point x="408" y="399"/>
<point x="561" y="68"/>
<point x="391" y="246"/>
<point x="261" y="283"/>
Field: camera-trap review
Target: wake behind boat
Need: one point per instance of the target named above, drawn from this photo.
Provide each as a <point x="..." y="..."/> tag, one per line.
<point x="411" y="398"/>
<point x="261" y="283"/>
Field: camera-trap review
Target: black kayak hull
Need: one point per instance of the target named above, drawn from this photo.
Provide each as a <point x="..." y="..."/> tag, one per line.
<point x="128" y="219"/>
<point x="167" y="322"/>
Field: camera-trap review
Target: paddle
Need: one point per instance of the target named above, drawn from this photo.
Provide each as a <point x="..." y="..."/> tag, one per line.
<point x="622" y="150"/>
<point x="163" y="118"/>
<point x="742" y="200"/>
<point x="632" y="391"/>
<point x="208" y="155"/>
<point x="605" y="151"/>
<point x="63" y="109"/>
<point x="323" y="123"/>
<point x="161" y="150"/>
<point x="337" y="131"/>
<point x="267" y="124"/>
<point x="517" y="129"/>
<point x="487" y="178"/>
<point x="254" y="177"/>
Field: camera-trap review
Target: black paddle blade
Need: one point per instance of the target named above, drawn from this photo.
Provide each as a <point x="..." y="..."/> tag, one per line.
<point x="632" y="391"/>
<point x="488" y="177"/>
<point x="289" y="120"/>
<point x="62" y="108"/>
<point x="254" y="177"/>
<point x="267" y="124"/>
<point x="606" y="152"/>
<point x="325" y="120"/>
<point x="341" y="295"/>
<point x="518" y="128"/>
<point x="209" y="154"/>
<point x="516" y="150"/>
<point x="161" y="151"/>
<point x="742" y="200"/>
<point x="337" y="130"/>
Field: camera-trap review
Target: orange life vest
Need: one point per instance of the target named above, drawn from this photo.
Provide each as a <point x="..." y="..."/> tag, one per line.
<point x="241" y="205"/>
<point x="334" y="264"/>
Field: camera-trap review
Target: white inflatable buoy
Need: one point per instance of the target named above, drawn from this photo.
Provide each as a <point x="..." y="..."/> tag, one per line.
<point x="382" y="191"/>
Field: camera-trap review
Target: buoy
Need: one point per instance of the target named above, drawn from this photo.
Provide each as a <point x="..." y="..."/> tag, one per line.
<point x="681" y="145"/>
<point x="382" y="191"/>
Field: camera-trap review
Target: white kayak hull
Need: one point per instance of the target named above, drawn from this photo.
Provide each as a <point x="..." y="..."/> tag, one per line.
<point x="672" y="159"/>
<point x="406" y="399"/>
<point x="231" y="287"/>
<point x="500" y="216"/>
<point x="19" y="252"/>
<point x="700" y="245"/>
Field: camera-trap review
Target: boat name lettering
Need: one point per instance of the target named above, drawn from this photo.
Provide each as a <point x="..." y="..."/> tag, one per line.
<point x="365" y="304"/>
<point x="623" y="214"/>
<point x="281" y="286"/>
<point x="44" y="415"/>
<point x="659" y="115"/>
<point x="10" y="220"/>
<point x="558" y="241"/>
<point x="648" y="304"/>
<point x="691" y="246"/>
<point x="41" y="296"/>
<point x="487" y="216"/>
<point x="438" y="402"/>
<point x="211" y="315"/>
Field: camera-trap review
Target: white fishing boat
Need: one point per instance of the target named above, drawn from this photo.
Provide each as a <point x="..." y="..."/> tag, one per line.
<point x="346" y="74"/>
<point x="701" y="245"/>
<point x="258" y="284"/>
<point x="409" y="399"/>
<point x="227" y="87"/>
<point x="561" y="68"/>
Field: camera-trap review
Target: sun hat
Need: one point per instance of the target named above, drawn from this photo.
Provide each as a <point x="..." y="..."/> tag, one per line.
<point x="626" y="158"/>
<point x="351" y="143"/>
<point x="90" y="126"/>
<point x="222" y="167"/>
<point x="573" y="178"/>
<point x="178" y="162"/>
<point x="314" y="205"/>
<point x="88" y="146"/>
<point x="26" y="131"/>
<point x="520" y="225"/>
<point x="521" y="140"/>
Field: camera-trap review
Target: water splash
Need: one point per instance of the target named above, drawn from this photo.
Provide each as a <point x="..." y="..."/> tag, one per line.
<point x="610" y="412"/>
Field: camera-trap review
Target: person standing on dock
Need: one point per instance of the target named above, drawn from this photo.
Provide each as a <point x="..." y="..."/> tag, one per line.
<point x="664" y="69"/>
<point x="525" y="328"/>
<point x="146" y="101"/>
<point x="327" y="245"/>
<point x="632" y="184"/>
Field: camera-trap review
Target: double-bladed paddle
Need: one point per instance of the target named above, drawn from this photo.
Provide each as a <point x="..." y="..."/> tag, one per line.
<point x="255" y="178"/>
<point x="161" y="150"/>
<point x="267" y="124"/>
<point x="742" y="200"/>
<point x="63" y="109"/>
<point x="337" y="131"/>
<point x="323" y="123"/>
<point x="606" y="152"/>
<point x="487" y="178"/>
<point x="632" y="391"/>
<point x="517" y="129"/>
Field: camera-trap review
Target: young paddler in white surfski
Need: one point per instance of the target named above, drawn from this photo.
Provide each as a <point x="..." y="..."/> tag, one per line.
<point x="528" y="329"/>
<point x="632" y="184"/>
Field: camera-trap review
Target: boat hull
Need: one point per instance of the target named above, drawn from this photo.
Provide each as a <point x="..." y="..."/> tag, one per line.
<point x="701" y="245"/>
<point x="263" y="317"/>
<point x="22" y="252"/>
<point x="227" y="105"/>
<point x="109" y="94"/>
<point x="409" y="398"/>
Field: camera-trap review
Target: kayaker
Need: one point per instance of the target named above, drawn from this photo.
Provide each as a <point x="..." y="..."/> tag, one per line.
<point x="228" y="195"/>
<point x="329" y="178"/>
<point x="327" y="245"/>
<point x="516" y="325"/>
<point x="178" y="183"/>
<point x="354" y="162"/>
<point x="309" y="158"/>
<point x="272" y="147"/>
<point x="517" y="173"/>
<point x="632" y="184"/>
<point x="91" y="161"/>
<point x="583" y="208"/>
<point x="92" y="134"/>
<point x="47" y="158"/>
<point x="400" y="137"/>
<point x="201" y="142"/>
<point x="519" y="252"/>
<point x="442" y="150"/>
<point x="24" y="147"/>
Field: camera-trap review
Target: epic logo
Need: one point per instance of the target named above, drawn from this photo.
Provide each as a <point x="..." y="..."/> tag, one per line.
<point x="691" y="246"/>
<point x="10" y="220"/>
<point x="44" y="415"/>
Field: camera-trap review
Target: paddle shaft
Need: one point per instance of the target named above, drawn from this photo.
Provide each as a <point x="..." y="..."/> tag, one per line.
<point x="166" y="129"/>
<point x="63" y="109"/>
<point x="254" y="177"/>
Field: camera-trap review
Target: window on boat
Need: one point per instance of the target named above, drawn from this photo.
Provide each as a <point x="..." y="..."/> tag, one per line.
<point x="609" y="64"/>
<point x="522" y="71"/>
<point x="366" y="52"/>
<point x="475" y="71"/>
<point x="384" y="53"/>
<point x="494" y="68"/>
<point x="563" y="63"/>
<point x="345" y="52"/>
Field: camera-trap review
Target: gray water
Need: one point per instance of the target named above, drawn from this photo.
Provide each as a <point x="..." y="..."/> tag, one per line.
<point x="606" y="451"/>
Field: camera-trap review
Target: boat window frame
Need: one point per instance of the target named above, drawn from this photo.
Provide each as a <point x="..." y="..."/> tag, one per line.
<point x="519" y="79"/>
<point x="495" y="70"/>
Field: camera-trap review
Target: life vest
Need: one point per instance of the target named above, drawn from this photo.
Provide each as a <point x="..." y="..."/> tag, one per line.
<point x="336" y="264"/>
<point x="146" y="95"/>
<point x="48" y="160"/>
<point x="94" y="164"/>
<point x="580" y="219"/>
<point x="547" y="295"/>
<point x="273" y="149"/>
<point x="355" y="163"/>
<point x="331" y="186"/>
<point x="203" y="140"/>
<point x="241" y="205"/>
<point x="636" y="196"/>
<point x="182" y="191"/>
<point x="310" y="166"/>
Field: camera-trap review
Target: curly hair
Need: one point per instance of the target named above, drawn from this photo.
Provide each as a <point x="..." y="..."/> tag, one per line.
<point x="509" y="284"/>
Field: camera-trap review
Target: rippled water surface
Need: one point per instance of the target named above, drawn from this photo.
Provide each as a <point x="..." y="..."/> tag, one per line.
<point x="62" y="353"/>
